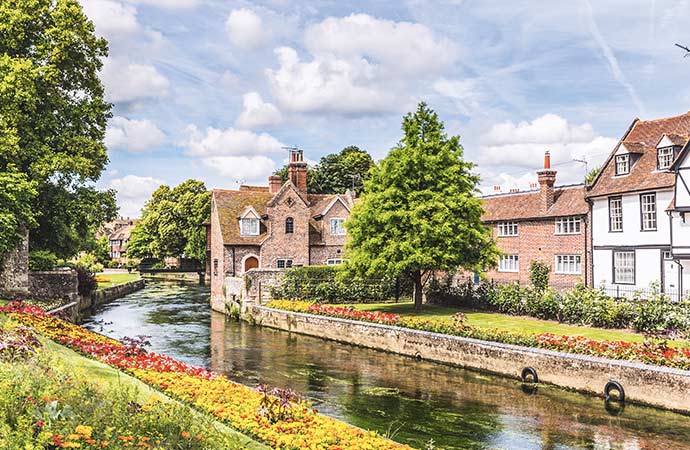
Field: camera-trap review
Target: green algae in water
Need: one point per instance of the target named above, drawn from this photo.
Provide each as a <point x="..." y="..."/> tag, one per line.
<point x="379" y="391"/>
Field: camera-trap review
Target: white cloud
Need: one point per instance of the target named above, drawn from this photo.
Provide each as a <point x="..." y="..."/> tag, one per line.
<point x="245" y="169"/>
<point x="523" y="145"/>
<point x="113" y="19"/>
<point x="257" y="113"/>
<point x="359" y="64"/>
<point x="331" y="85"/>
<point x="133" y="135"/>
<point x="466" y="94"/>
<point x="406" y="47"/>
<point x="132" y="192"/>
<point x="246" y="29"/>
<point x="128" y="82"/>
<point x="229" y="142"/>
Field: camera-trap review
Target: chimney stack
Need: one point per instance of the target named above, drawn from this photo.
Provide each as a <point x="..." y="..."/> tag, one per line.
<point x="514" y="190"/>
<point x="274" y="183"/>
<point x="297" y="170"/>
<point x="497" y="189"/>
<point x="547" y="179"/>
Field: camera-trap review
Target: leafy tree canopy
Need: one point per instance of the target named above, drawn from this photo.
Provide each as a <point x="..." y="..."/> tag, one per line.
<point x="16" y="195"/>
<point x="53" y="118"/>
<point x="419" y="211"/>
<point x="592" y="174"/>
<point x="172" y="223"/>
<point x="338" y="172"/>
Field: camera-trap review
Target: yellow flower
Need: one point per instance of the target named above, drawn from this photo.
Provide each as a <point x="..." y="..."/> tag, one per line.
<point x="84" y="430"/>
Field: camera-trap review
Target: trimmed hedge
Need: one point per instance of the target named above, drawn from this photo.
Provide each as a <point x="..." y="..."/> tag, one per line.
<point x="324" y="284"/>
<point x="581" y="306"/>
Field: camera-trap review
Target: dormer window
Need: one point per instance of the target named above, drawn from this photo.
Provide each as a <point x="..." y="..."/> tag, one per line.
<point x="664" y="158"/>
<point x="622" y="164"/>
<point x="249" y="226"/>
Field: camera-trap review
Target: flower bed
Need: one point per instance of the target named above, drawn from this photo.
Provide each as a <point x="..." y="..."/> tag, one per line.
<point x="655" y="353"/>
<point x="243" y="408"/>
<point x="46" y="404"/>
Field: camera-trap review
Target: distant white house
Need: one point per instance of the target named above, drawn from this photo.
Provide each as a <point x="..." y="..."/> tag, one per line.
<point x="638" y="233"/>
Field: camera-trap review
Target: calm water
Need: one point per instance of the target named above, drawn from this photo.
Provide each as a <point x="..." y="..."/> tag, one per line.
<point x="411" y="401"/>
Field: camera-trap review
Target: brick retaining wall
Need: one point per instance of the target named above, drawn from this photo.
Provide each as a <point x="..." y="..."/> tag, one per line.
<point x="109" y="294"/>
<point x="658" y="386"/>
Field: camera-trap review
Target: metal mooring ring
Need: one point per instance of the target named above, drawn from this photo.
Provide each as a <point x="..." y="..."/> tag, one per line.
<point x="614" y="386"/>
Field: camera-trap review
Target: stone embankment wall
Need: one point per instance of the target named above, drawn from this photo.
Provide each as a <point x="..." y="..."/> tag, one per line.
<point x="652" y="385"/>
<point x="60" y="284"/>
<point x="252" y="288"/>
<point x="14" y="270"/>
<point x="109" y="294"/>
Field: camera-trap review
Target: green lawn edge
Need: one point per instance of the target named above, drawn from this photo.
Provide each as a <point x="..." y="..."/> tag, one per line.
<point x="116" y="279"/>
<point x="486" y="319"/>
<point x="105" y="374"/>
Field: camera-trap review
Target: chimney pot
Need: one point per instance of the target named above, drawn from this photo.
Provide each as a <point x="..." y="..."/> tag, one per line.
<point x="533" y="185"/>
<point x="547" y="160"/>
<point x="513" y="190"/>
<point x="497" y="188"/>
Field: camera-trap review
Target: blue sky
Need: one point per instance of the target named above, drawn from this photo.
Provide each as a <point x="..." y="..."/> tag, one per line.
<point x="213" y="89"/>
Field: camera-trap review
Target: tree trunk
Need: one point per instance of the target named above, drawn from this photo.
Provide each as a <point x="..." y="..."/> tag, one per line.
<point x="417" y="290"/>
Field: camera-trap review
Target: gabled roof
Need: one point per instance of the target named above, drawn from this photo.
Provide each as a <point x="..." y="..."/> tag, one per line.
<point x="230" y="204"/>
<point x="676" y="139"/>
<point x="643" y="134"/>
<point x="568" y="201"/>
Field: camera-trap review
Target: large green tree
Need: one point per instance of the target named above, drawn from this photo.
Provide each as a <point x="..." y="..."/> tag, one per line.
<point x="420" y="211"/>
<point x="53" y="118"/>
<point x="16" y="195"/>
<point x="337" y="172"/>
<point x="172" y="223"/>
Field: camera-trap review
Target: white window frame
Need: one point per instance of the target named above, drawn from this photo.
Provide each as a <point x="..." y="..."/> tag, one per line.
<point x="337" y="228"/>
<point x="667" y="255"/>
<point x="616" y="214"/>
<point x="623" y="164"/>
<point x="568" y="264"/>
<point x="334" y="261"/>
<point x="509" y="263"/>
<point x="507" y="229"/>
<point x="624" y="267"/>
<point x="568" y="225"/>
<point x="664" y="158"/>
<point x="648" y="216"/>
<point x="286" y="263"/>
<point x="249" y="226"/>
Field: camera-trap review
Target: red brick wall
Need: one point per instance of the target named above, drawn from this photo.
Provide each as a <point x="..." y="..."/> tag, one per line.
<point x="217" y="253"/>
<point x="281" y="245"/>
<point x="537" y="241"/>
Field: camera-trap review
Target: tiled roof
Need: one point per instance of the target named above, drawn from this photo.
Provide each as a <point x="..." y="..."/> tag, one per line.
<point x="232" y="203"/>
<point x="122" y="233"/>
<point x="568" y="201"/>
<point x="676" y="139"/>
<point x="644" y="134"/>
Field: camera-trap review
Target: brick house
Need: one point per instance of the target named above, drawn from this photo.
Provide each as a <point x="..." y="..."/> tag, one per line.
<point x="118" y="233"/>
<point x="548" y="224"/>
<point x="276" y="226"/>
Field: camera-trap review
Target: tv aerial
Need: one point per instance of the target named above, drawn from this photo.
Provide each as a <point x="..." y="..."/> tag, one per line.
<point x="687" y="50"/>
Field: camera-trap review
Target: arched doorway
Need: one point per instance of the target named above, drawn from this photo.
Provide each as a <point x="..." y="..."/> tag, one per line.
<point x="251" y="262"/>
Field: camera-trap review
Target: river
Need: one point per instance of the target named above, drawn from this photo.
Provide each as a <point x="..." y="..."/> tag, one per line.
<point x="412" y="402"/>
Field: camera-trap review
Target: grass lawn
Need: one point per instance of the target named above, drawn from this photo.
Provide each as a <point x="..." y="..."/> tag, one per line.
<point x="106" y="280"/>
<point x="513" y="323"/>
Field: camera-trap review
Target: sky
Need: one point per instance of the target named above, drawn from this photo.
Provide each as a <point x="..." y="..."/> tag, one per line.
<point x="213" y="89"/>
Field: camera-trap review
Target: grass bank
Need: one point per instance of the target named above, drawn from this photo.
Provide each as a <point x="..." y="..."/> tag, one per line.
<point x="106" y="280"/>
<point x="505" y="322"/>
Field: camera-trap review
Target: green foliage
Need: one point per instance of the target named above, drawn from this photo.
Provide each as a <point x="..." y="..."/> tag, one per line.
<point x="419" y="211"/>
<point x="102" y="251"/>
<point x="539" y="275"/>
<point x="580" y="306"/>
<point x="337" y="172"/>
<point x="172" y="223"/>
<point x="53" y="120"/>
<point x="40" y="260"/>
<point x="592" y="174"/>
<point x="88" y="262"/>
<point x="330" y="284"/>
<point x="16" y="214"/>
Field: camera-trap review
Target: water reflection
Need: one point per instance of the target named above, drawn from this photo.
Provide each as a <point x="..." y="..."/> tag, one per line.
<point x="413" y="401"/>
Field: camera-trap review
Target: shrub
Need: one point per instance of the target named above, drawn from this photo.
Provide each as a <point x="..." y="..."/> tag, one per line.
<point x="87" y="281"/>
<point x="329" y="284"/>
<point x="539" y="275"/>
<point x="41" y="260"/>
